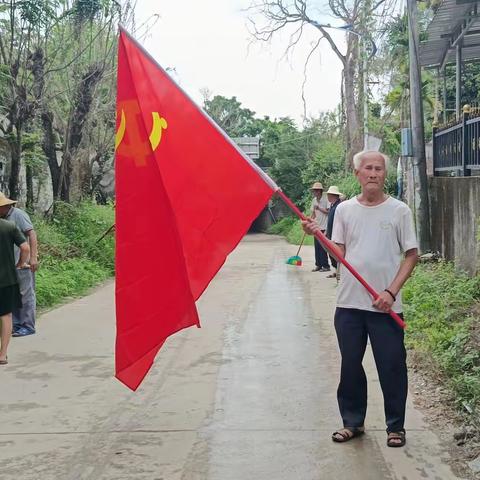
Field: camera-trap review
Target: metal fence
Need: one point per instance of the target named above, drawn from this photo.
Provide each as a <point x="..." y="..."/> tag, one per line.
<point x="456" y="148"/>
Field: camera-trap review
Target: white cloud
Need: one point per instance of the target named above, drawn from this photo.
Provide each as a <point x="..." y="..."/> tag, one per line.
<point x="208" y="43"/>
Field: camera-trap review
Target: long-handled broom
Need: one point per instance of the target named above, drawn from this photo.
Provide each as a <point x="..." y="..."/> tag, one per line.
<point x="296" y="260"/>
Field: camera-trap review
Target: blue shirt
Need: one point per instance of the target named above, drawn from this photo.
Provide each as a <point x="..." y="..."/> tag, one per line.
<point x="23" y="223"/>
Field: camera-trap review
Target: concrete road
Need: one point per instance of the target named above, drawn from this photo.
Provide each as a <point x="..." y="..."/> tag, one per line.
<point x="250" y="396"/>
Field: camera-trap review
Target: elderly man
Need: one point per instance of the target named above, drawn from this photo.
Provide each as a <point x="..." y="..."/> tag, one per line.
<point x="24" y="317"/>
<point x="320" y="215"/>
<point x="376" y="235"/>
<point x="10" y="297"/>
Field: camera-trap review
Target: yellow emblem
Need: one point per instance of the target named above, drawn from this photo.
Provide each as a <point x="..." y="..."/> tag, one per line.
<point x="137" y="143"/>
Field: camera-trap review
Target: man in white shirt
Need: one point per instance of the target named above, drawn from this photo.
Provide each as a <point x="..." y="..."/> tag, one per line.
<point x="376" y="235"/>
<point x="320" y="215"/>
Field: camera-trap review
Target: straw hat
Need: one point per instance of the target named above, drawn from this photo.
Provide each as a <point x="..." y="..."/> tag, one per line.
<point x="317" y="186"/>
<point x="333" y="190"/>
<point x="6" y="201"/>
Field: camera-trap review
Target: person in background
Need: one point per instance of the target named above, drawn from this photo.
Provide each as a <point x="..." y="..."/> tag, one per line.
<point x="334" y="198"/>
<point x="10" y="297"/>
<point x="24" y="317"/>
<point x="319" y="215"/>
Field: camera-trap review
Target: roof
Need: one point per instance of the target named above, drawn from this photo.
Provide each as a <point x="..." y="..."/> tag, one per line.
<point x="250" y="145"/>
<point x="454" y="21"/>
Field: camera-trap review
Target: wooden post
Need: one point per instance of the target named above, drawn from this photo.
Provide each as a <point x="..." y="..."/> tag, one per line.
<point x="434" y="145"/>
<point x="422" y="213"/>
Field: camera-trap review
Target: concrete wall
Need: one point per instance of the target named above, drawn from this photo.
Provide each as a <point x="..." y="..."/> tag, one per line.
<point x="271" y="214"/>
<point x="455" y="210"/>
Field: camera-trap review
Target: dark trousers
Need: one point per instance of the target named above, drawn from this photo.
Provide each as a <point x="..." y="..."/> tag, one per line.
<point x="353" y="327"/>
<point x="333" y="261"/>
<point x="321" y="257"/>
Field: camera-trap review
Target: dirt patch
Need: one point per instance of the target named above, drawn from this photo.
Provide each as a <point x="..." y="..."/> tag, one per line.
<point x="459" y="432"/>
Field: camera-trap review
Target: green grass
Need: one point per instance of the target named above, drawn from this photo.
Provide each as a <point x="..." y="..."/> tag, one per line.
<point x="441" y="308"/>
<point x="69" y="278"/>
<point x="71" y="258"/>
<point x="291" y="229"/>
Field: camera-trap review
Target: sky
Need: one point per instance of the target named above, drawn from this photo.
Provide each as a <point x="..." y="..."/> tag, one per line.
<point x="209" y="45"/>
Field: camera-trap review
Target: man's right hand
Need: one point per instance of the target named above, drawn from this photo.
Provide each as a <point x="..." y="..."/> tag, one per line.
<point x="310" y="226"/>
<point x="33" y="265"/>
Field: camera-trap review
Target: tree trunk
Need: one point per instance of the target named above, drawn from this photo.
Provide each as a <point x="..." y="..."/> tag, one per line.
<point x="66" y="177"/>
<point x="353" y="131"/>
<point x="74" y="172"/>
<point x="50" y="151"/>
<point x="30" y="198"/>
<point x="15" y="145"/>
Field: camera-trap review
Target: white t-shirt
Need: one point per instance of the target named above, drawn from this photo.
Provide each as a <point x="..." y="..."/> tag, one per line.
<point x="320" y="217"/>
<point x="375" y="240"/>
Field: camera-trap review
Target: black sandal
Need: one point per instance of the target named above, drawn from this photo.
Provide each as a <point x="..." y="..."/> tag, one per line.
<point x="394" y="437"/>
<point x="345" y="437"/>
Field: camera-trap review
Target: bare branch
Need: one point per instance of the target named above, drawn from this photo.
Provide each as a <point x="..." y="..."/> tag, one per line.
<point x="305" y="76"/>
<point x="329" y="40"/>
<point x="294" y="41"/>
<point x="278" y="15"/>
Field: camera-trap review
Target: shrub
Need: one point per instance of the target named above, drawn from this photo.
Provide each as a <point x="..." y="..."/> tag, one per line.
<point x="72" y="259"/>
<point x="291" y="229"/>
<point x="440" y="312"/>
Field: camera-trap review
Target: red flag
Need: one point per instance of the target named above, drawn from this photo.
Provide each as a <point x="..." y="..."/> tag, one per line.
<point x="185" y="196"/>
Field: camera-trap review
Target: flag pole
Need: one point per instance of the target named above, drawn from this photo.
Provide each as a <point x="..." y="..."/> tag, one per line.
<point x="335" y="251"/>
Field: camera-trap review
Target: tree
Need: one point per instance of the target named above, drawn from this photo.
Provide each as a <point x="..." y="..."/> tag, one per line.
<point x="357" y="15"/>
<point x="57" y="78"/>
<point x="77" y="82"/>
<point x="229" y="114"/>
<point x="21" y="25"/>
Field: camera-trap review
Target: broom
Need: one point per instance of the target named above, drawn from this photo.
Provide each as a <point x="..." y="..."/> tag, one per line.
<point x="296" y="260"/>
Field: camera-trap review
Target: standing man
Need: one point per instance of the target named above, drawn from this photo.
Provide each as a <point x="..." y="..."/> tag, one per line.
<point x="376" y="235"/>
<point x="319" y="214"/>
<point x="10" y="297"/>
<point x="24" y="317"/>
<point x="333" y="196"/>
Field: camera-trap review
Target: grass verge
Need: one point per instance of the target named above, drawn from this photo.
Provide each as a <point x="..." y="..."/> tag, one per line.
<point x="291" y="229"/>
<point x="442" y="311"/>
<point x="71" y="258"/>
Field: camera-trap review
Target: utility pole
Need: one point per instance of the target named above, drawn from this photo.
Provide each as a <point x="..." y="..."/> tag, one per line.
<point x="422" y="212"/>
<point x="365" y="93"/>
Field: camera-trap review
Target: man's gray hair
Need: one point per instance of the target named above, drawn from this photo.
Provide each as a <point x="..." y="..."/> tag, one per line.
<point x="357" y="158"/>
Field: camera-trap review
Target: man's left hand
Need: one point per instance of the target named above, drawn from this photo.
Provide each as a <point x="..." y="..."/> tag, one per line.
<point x="383" y="302"/>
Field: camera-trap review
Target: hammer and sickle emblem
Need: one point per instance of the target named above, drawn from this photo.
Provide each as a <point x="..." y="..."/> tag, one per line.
<point x="159" y="124"/>
<point x="137" y="146"/>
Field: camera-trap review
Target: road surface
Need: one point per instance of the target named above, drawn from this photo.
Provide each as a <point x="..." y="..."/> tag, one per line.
<point x="249" y="396"/>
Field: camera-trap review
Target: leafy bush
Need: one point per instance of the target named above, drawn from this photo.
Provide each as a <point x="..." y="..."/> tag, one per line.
<point x="439" y="308"/>
<point x="283" y="226"/>
<point x="326" y="164"/>
<point x="72" y="259"/>
<point x="291" y="229"/>
<point x="83" y="225"/>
